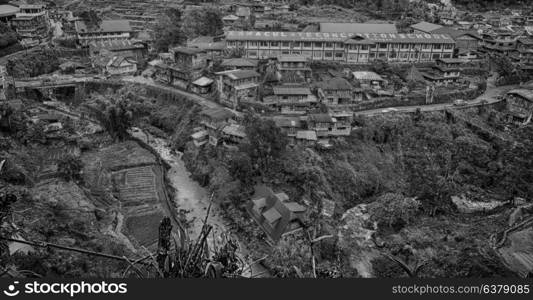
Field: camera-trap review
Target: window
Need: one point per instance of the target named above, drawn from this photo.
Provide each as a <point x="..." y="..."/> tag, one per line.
<point x="447" y="55"/>
<point x="318" y="45"/>
<point x="285" y="52"/>
<point x="448" y="46"/>
<point x="252" y="53"/>
<point x="285" y="44"/>
<point x="364" y="47"/>
<point x="317" y="54"/>
<point x="263" y="44"/>
<point x="231" y="44"/>
<point x="382" y="55"/>
<point x="328" y="54"/>
<point x="383" y="46"/>
<point x="436" y="56"/>
<point x="296" y="52"/>
<point x="307" y="44"/>
<point x="252" y="44"/>
<point x="437" y="46"/>
<point x="296" y="44"/>
<point x="339" y="45"/>
<point x="339" y="54"/>
<point x="274" y="44"/>
<point x="329" y="45"/>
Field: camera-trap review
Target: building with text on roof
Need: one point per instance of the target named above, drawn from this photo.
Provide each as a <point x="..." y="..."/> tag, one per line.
<point x="343" y="47"/>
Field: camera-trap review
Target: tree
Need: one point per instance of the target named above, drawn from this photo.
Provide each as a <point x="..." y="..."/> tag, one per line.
<point x="393" y="209"/>
<point x="266" y="143"/>
<point x="69" y="167"/>
<point x="117" y="119"/>
<point x="168" y="30"/>
<point x="7" y="36"/>
<point x="205" y="21"/>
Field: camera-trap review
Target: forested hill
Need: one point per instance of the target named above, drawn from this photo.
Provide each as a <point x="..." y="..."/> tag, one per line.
<point x="493" y="4"/>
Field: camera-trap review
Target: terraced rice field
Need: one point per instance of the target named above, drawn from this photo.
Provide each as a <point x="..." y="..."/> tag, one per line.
<point x="137" y="186"/>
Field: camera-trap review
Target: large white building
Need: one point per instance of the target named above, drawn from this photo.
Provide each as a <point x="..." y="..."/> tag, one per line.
<point x="342" y="46"/>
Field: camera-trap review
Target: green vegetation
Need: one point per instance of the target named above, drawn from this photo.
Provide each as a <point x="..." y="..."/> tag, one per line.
<point x="33" y="64"/>
<point x="404" y="167"/>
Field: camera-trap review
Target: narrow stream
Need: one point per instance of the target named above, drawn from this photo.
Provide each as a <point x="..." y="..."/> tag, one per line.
<point x="194" y="199"/>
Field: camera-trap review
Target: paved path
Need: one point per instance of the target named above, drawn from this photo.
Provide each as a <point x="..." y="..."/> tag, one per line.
<point x="149" y="82"/>
<point x="491" y="95"/>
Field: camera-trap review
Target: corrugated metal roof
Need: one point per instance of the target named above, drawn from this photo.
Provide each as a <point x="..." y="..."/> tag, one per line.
<point x="309" y="135"/>
<point x="425" y="26"/>
<point x="203" y="81"/>
<point x="526" y="94"/>
<point x="366" y="75"/>
<point x="8" y="10"/>
<point x="337" y="37"/>
<point x="291" y="90"/>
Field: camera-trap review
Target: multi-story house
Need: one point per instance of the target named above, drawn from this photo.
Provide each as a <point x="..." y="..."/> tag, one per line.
<point x="343" y="47"/>
<point x="464" y="40"/>
<point x="214" y="120"/>
<point x="293" y="68"/>
<point x="106" y="30"/>
<point x="32" y="23"/>
<point x="189" y="58"/>
<point x="446" y="71"/>
<point x="236" y="86"/>
<point x="126" y="48"/>
<point x="524" y="47"/>
<point x="519" y="105"/>
<point x="291" y="99"/>
<point x="327" y="126"/>
<point x="337" y="92"/>
<point x="289" y="125"/>
<point x="501" y="42"/>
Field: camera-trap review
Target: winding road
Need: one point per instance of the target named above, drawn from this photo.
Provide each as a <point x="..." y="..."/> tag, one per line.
<point x="491" y="95"/>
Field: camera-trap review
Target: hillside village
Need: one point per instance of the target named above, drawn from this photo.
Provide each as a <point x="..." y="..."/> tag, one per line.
<point x="392" y="132"/>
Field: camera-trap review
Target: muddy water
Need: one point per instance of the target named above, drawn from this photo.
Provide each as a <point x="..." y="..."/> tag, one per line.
<point x="194" y="200"/>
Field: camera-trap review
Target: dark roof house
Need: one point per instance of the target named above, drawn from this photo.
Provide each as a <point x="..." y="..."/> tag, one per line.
<point x="425" y="27"/>
<point x="276" y="215"/>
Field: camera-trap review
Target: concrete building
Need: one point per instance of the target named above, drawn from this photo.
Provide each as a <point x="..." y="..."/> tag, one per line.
<point x="236" y="86"/>
<point x="107" y="30"/>
<point x="343" y="47"/>
<point x="32" y="23"/>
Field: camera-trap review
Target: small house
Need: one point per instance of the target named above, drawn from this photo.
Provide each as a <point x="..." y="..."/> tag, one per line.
<point x="120" y="65"/>
<point x="275" y="213"/>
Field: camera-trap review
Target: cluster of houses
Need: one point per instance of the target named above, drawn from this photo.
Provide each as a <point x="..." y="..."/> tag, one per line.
<point x="509" y="35"/>
<point x="268" y="66"/>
